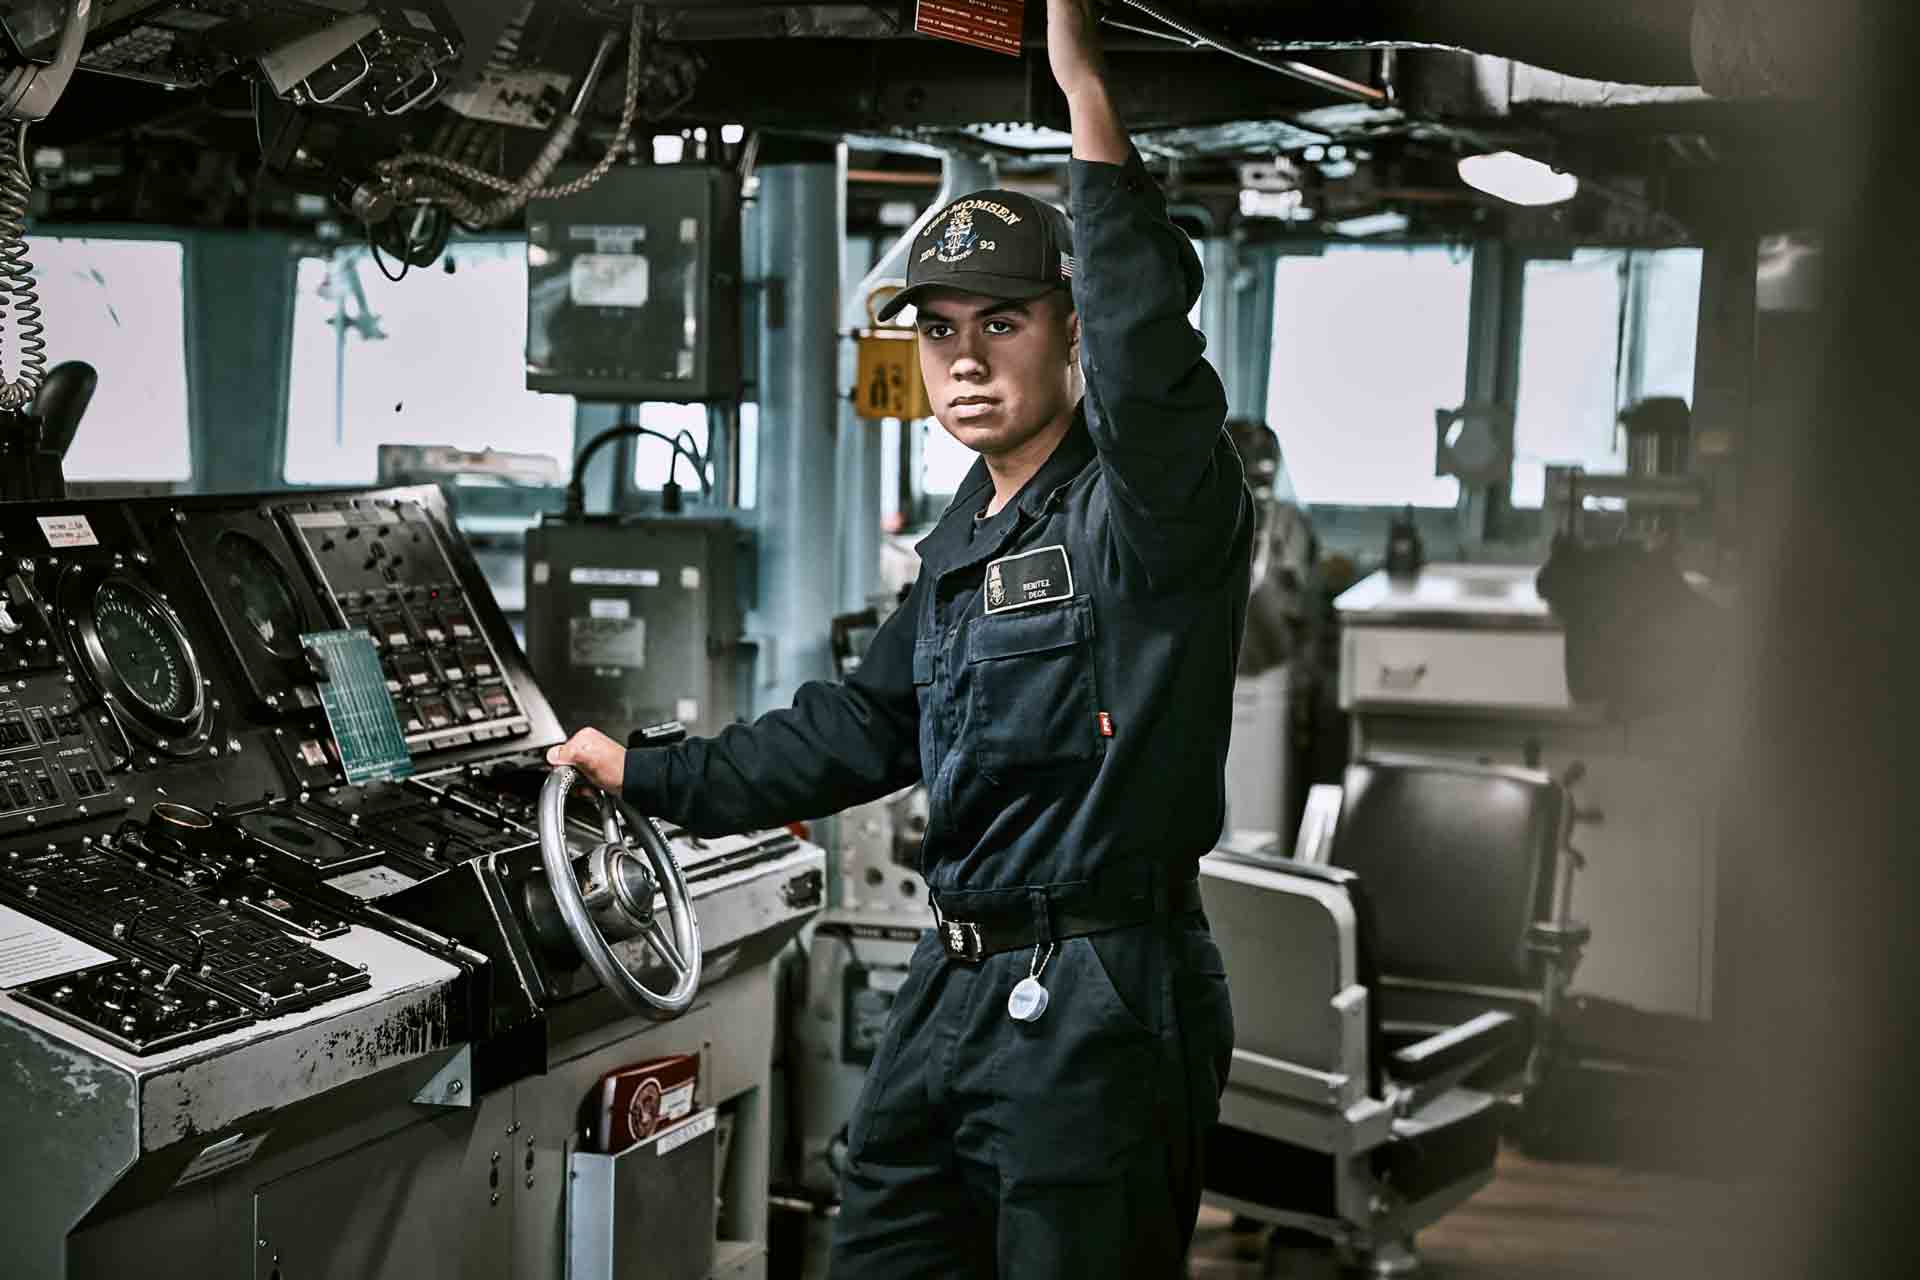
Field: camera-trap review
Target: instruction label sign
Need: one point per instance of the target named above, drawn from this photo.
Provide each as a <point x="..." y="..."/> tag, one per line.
<point x="607" y="642"/>
<point x="216" y="1158"/>
<point x="680" y="1135"/>
<point x="68" y="531"/>
<point x="608" y="280"/>
<point x="993" y="25"/>
<point x="887" y="382"/>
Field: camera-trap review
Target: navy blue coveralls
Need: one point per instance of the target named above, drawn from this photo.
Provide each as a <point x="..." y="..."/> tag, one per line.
<point x="1071" y="746"/>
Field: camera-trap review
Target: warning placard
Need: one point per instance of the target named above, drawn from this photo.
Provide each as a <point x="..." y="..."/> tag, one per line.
<point x="888" y="383"/>
<point x="984" y="24"/>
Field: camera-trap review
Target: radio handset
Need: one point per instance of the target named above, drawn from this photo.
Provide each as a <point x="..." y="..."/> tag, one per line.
<point x="28" y="92"/>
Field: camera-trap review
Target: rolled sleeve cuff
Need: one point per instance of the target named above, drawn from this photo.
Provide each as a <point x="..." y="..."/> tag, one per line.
<point x="1092" y="183"/>
<point x="644" y="779"/>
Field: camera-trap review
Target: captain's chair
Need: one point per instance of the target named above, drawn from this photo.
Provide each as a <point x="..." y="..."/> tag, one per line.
<point x="1390" y="983"/>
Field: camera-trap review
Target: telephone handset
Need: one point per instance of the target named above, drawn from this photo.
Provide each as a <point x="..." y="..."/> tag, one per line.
<point x="29" y="90"/>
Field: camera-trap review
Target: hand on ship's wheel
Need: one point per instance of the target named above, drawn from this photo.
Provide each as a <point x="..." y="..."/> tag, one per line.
<point x="611" y="899"/>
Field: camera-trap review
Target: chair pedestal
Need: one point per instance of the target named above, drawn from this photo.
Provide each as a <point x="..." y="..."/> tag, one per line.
<point x="1394" y="1258"/>
<point x="1299" y="1255"/>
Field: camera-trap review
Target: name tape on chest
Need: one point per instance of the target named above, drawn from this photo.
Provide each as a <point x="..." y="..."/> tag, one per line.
<point x="1030" y="578"/>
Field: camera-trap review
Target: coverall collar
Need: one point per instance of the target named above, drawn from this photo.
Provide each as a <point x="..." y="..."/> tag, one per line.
<point x="1073" y="452"/>
<point x="1068" y="459"/>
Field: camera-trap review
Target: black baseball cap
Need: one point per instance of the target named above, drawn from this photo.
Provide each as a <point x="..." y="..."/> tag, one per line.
<point x="999" y="244"/>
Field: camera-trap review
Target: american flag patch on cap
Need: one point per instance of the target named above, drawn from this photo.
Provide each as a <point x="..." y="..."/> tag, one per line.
<point x="1066" y="266"/>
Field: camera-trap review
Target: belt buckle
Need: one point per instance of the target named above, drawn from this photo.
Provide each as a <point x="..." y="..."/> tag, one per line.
<point x="962" y="940"/>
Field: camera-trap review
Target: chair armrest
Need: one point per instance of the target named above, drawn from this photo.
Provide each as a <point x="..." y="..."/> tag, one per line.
<point x="1252" y="1070"/>
<point x="1470" y="1042"/>
<point x="1282" y="866"/>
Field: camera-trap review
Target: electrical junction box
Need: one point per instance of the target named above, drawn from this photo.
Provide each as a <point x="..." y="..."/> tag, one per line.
<point x="635" y="621"/>
<point x="633" y="286"/>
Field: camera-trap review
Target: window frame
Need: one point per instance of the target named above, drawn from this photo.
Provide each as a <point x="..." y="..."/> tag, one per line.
<point x="186" y="238"/>
<point x="1629" y="373"/>
<point x="537" y="500"/>
<point x="1352" y="519"/>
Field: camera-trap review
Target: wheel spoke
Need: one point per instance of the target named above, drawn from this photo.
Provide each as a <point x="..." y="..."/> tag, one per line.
<point x="662" y="942"/>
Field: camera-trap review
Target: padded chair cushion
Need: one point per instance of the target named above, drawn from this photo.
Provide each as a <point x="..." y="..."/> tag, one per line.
<point x="1458" y="860"/>
<point x="1427" y="1158"/>
<point x="1455" y="1138"/>
<point x="1266" y="1171"/>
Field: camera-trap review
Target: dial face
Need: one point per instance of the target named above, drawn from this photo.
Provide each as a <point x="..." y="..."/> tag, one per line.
<point x="247" y="572"/>
<point x="144" y="649"/>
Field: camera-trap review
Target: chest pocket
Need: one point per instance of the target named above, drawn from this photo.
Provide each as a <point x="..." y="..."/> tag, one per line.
<point x="1033" y="704"/>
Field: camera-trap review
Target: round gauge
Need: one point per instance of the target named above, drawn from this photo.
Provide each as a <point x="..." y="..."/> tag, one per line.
<point x="144" y="648"/>
<point x="248" y="573"/>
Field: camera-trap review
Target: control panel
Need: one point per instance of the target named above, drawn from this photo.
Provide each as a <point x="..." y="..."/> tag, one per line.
<point x="202" y="945"/>
<point x="384" y="571"/>
<point x="274" y="890"/>
<point x="177" y="827"/>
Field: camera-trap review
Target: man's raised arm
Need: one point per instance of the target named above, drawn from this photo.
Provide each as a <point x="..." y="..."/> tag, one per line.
<point x="1154" y="405"/>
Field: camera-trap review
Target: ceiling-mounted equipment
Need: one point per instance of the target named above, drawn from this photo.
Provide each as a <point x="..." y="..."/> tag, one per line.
<point x="633" y="287"/>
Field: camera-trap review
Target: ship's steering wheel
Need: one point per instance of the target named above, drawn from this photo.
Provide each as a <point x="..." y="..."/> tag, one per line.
<point x="611" y="899"/>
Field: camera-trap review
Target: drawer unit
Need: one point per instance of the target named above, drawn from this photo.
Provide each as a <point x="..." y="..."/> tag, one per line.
<point x="1409" y="667"/>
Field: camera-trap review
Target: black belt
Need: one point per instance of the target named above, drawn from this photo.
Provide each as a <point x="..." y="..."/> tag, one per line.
<point x="1012" y="921"/>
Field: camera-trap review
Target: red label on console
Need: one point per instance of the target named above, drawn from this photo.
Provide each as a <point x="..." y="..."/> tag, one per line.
<point x="1106" y="725"/>
<point x="985" y="24"/>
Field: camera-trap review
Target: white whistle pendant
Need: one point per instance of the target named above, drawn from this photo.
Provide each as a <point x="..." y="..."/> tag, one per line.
<point x="1027" y="1001"/>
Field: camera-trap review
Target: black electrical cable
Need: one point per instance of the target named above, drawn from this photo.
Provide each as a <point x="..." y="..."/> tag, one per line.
<point x="693" y="451"/>
<point x="576" y="487"/>
<point x="381" y="262"/>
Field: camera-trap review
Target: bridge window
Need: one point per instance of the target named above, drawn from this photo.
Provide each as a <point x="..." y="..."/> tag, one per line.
<point x="437" y="357"/>
<point x="945" y="462"/>
<point x="653" y="461"/>
<point x="1599" y="330"/>
<point x="119" y="305"/>
<point x="1367" y="343"/>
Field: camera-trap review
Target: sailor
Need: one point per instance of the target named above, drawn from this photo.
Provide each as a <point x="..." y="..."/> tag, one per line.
<point x="1061" y="679"/>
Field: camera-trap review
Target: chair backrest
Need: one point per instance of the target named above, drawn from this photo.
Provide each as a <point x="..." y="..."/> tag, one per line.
<point x="1293" y="938"/>
<point x="1458" y="859"/>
